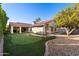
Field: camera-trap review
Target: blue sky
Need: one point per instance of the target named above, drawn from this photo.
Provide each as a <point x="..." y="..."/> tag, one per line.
<point x="28" y="12"/>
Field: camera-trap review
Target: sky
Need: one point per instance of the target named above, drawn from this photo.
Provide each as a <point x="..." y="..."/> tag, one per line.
<point x="28" y="12"/>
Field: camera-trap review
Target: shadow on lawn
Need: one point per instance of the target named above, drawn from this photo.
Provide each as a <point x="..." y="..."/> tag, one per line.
<point x="32" y="49"/>
<point x="7" y="44"/>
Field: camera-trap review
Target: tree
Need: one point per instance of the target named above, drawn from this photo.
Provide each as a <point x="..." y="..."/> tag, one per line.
<point x="37" y="20"/>
<point x="68" y="19"/>
<point x="3" y="20"/>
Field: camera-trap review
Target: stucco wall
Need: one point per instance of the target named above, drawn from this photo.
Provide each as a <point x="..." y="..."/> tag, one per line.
<point x="59" y="30"/>
<point x="37" y="29"/>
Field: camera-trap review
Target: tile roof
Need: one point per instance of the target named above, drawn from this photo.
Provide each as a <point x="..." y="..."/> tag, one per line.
<point x="41" y="23"/>
<point x="18" y="24"/>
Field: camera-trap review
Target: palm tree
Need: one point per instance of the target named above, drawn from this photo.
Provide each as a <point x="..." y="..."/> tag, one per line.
<point x="37" y="20"/>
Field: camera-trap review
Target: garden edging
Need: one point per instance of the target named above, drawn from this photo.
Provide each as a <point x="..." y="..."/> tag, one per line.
<point x="46" y="49"/>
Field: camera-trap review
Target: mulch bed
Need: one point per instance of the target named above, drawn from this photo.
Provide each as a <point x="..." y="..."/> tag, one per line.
<point x="54" y="49"/>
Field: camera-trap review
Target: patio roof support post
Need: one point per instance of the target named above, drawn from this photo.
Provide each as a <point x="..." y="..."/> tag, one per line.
<point x="11" y="29"/>
<point x="44" y="29"/>
<point x="29" y="29"/>
<point x="20" y="29"/>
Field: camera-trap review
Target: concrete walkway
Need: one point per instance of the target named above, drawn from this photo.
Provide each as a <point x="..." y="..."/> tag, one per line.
<point x="1" y="46"/>
<point x="57" y="35"/>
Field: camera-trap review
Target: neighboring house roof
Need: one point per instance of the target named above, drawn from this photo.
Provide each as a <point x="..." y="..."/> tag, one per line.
<point x="42" y="23"/>
<point x="18" y="24"/>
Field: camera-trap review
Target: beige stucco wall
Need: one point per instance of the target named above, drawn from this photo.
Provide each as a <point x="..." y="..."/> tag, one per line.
<point x="37" y="29"/>
<point x="60" y="30"/>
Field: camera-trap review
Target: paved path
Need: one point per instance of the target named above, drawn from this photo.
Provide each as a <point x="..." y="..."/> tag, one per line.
<point x="57" y="35"/>
<point x="1" y="46"/>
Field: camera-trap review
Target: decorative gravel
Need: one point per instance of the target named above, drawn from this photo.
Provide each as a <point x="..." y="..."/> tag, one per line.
<point x="62" y="47"/>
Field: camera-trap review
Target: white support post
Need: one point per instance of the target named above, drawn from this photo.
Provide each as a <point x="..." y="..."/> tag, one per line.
<point x="20" y="30"/>
<point x="29" y="29"/>
<point x="11" y="29"/>
<point x="44" y="28"/>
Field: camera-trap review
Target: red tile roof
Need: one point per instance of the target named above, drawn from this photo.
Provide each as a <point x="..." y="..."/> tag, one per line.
<point x="41" y="23"/>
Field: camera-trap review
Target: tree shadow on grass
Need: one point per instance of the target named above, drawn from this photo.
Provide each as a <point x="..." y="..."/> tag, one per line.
<point x="31" y="49"/>
<point x="7" y="44"/>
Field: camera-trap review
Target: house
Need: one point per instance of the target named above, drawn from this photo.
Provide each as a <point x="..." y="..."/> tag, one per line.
<point x="19" y="27"/>
<point x="40" y="27"/>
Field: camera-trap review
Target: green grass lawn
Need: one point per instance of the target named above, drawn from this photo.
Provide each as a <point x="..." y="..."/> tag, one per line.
<point x="24" y="45"/>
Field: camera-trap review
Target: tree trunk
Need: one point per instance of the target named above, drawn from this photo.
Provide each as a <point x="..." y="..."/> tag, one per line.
<point x="69" y="32"/>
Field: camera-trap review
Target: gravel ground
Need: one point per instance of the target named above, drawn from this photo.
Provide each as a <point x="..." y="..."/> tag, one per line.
<point x="62" y="47"/>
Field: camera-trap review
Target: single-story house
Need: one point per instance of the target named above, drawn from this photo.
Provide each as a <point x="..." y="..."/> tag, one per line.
<point x="40" y="27"/>
<point x="19" y="27"/>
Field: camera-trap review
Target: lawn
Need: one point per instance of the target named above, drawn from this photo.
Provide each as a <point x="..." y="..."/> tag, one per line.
<point x="24" y="45"/>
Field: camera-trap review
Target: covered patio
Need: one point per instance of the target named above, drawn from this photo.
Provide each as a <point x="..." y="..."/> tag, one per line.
<point x="19" y="27"/>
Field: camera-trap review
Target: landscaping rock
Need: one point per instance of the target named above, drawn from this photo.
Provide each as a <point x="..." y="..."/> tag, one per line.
<point x="62" y="47"/>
